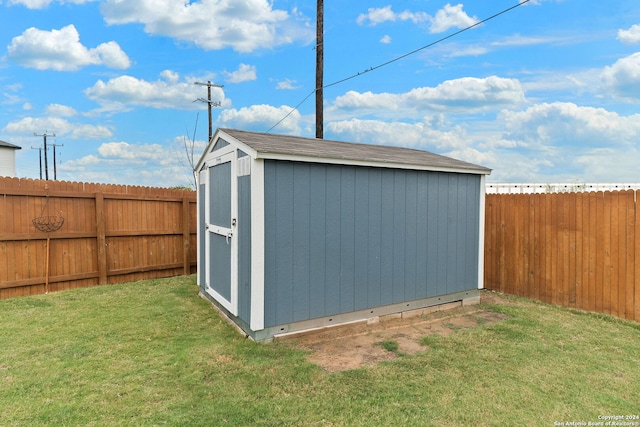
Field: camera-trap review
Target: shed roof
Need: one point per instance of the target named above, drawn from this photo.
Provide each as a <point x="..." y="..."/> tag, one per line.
<point x="268" y="145"/>
<point x="8" y="145"/>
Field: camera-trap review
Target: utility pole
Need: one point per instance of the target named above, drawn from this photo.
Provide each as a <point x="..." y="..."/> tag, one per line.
<point x="46" y="163"/>
<point x="319" y="68"/>
<point x="55" y="174"/>
<point x="40" y="155"/>
<point x="210" y="104"/>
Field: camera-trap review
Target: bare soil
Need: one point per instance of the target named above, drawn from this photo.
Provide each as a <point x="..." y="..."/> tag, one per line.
<point x="354" y="345"/>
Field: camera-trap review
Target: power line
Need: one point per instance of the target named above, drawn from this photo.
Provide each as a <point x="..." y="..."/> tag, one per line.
<point x="292" y="110"/>
<point x="353" y="76"/>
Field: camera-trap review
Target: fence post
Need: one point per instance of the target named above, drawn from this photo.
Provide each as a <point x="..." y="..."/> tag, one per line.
<point x="101" y="239"/>
<point x="186" y="235"/>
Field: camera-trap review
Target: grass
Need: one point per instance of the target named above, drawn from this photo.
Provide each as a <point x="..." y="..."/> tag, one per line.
<point x="153" y="353"/>
<point x="389" y="345"/>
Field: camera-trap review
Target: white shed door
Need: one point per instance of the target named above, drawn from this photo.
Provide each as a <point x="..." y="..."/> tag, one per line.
<point x="220" y="225"/>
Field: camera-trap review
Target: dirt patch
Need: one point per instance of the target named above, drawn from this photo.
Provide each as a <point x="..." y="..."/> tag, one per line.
<point x="365" y="343"/>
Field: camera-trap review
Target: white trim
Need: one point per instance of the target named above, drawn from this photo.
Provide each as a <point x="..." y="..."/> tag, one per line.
<point x="233" y="144"/>
<point x="481" y="234"/>
<point x="257" y="245"/>
<point x="201" y="178"/>
<point x="370" y="163"/>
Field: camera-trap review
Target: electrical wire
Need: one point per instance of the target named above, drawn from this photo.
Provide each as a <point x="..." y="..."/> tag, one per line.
<point x="292" y="110"/>
<point x="398" y="58"/>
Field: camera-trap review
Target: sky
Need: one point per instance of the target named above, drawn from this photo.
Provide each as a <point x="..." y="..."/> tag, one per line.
<point x="546" y="92"/>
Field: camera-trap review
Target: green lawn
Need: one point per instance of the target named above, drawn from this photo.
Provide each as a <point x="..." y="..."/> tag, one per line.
<point x="154" y="353"/>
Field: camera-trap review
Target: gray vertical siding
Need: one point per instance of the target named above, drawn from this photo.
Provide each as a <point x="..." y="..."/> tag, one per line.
<point x="244" y="248"/>
<point x="345" y="238"/>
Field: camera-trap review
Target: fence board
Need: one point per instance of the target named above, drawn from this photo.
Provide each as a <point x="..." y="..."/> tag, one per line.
<point x="593" y="251"/>
<point x="582" y="249"/>
<point x="636" y="275"/>
<point x="630" y="237"/>
<point x="552" y="253"/>
<point x="579" y="247"/>
<point x="111" y="234"/>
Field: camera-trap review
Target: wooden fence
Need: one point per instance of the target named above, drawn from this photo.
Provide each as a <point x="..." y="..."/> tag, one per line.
<point x="578" y="250"/>
<point x="111" y="234"/>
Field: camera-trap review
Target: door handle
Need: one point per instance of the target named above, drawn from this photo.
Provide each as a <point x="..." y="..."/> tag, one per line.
<point x="228" y="237"/>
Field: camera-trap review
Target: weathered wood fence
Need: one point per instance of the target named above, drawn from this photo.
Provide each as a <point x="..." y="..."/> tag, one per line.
<point x="111" y="234"/>
<point x="579" y="250"/>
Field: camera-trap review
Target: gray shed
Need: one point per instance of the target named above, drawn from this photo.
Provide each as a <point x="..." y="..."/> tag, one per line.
<point x="299" y="233"/>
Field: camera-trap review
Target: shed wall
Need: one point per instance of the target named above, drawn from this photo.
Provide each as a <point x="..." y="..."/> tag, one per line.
<point x="7" y="162"/>
<point x="244" y="248"/>
<point x="345" y="238"/>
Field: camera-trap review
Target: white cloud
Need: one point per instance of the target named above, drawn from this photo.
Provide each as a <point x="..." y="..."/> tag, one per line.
<point x="606" y="164"/>
<point x="261" y="118"/>
<point x="630" y="36"/>
<point x="375" y="16"/>
<point x="386" y="39"/>
<point x="564" y="141"/>
<point x="412" y="135"/>
<point x="471" y="94"/>
<point x="468" y="51"/>
<point x="139" y="153"/>
<point x="518" y="40"/>
<point x="450" y="17"/>
<point x="444" y="19"/>
<point x="122" y="92"/>
<point x="554" y="142"/>
<point x="10" y="95"/>
<point x="215" y="24"/>
<point x="170" y="76"/>
<point x="29" y="125"/>
<point x="61" y="50"/>
<point x="287" y="85"/>
<point x="128" y="163"/>
<point x="244" y="73"/>
<point x="58" y="110"/>
<point x="467" y="95"/>
<point x="570" y="125"/>
<point x="59" y="126"/>
<point x="623" y="77"/>
<point x="84" y="131"/>
<point x="42" y="4"/>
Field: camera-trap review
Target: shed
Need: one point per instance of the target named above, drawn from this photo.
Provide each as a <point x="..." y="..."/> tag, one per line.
<point x="300" y="233"/>
<point x="8" y="159"/>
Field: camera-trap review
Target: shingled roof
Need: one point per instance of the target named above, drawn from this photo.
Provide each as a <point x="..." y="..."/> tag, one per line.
<point x="268" y="145"/>
<point x="8" y="145"/>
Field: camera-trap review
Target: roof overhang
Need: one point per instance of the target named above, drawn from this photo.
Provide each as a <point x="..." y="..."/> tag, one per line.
<point x="467" y="168"/>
